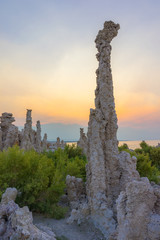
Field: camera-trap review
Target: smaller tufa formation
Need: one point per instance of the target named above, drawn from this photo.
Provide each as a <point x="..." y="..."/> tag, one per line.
<point x="16" y="222"/>
<point x="38" y="137"/>
<point x="57" y="144"/>
<point x="26" y="139"/>
<point x="44" y="142"/>
<point x="28" y="134"/>
<point x="82" y="143"/>
<point x="8" y="131"/>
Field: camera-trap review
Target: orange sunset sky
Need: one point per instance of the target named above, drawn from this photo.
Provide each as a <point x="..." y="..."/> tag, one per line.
<point x="48" y="63"/>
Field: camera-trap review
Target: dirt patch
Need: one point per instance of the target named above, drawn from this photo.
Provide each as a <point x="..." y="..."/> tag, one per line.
<point x="84" y="231"/>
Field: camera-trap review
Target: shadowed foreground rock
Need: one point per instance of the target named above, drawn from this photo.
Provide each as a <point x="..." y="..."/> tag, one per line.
<point x="17" y="223"/>
<point x="120" y="203"/>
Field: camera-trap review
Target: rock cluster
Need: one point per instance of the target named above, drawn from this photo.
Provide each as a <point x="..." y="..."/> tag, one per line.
<point x="120" y="203"/>
<point x="16" y="222"/>
<point x="9" y="134"/>
<point x="58" y="144"/>
<point x="26" y="139"/>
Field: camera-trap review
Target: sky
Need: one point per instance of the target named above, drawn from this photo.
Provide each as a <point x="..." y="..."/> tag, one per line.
<point x="48" y="63"/>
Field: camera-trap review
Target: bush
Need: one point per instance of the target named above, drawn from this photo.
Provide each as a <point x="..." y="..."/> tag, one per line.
<point x="34" y="176"/>
<point x="147" y="169"/>
<point x="70" y="161"/>
<point x="123" y="147"/>
<point x="40" y="178"/>
<point x="155" y="156"/>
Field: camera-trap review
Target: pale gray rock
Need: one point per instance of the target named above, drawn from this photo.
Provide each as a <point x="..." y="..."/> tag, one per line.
<point x="26" y="139"/>
<point x="38" y="137"/>
<point x="44" y="142"/>
<point x="157" y="194"/>
<point x="46" y="229"/>
<point x="9" y="195"/>
<point x="82" y="143"/>
<point x="17" y="223"/>
<point x="128" y="171"/>
<point x="80" y="214"/>
<point x="28" y="135"/>
<point x="9" y="132"/>
<point x="58" y="144"/>
<point x="103" y="170"/>
<point x="75" y="191"/>
<point x="134" y="208"/>
<point x="154" y="227"/>
<point x="31" y="139"/>
<point x="3" y="226"/>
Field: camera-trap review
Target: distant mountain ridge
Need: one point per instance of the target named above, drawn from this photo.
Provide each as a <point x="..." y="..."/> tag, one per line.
<point x="71" y="132"/>
<point x="66" y="132"/>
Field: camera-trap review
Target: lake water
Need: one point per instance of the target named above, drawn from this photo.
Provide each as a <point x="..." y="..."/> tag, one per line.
<point x="135" y="144"/>
<point x="131" y="144"/>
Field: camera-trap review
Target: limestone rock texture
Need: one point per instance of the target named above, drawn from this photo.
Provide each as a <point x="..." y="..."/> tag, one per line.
<point x="9" y="132"/>
<point x="17" y="223"/>
<point x="26" y="139"/>
<point x="44" y="142"/>
<point x="82" y="143"/>
<point x="103" y="170"/>
<point x="135" y="210"/>
<point x="38" y="137"/>
<point x="58" y="144"/>
<point x="119" y="203"/>
<point x="75" y="190"/>
<point x="29" y="135"/>
<point x="77" y="198"/>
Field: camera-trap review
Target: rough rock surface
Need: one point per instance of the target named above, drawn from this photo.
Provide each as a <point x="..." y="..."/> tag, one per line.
<point x="82" y="143"/>
<point x="9" y="132"/>
<point x="16" y="222"/>
<point x="44" y="142"/>
<point x="128" y="171"/>
<point x="120" y="203"/>
<point x="103" y="170"/>
<point x="26" y="139"/>
<point x="75" y="190"/>
<point x="28" y="136"/>
<point x="38" y="137"/>
<point x="10" y="194"/>
<point x="134" y="209"/>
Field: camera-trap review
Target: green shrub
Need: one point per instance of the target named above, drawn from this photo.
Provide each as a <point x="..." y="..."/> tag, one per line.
<point x="40" y="178"/>
<point x="34" y="176"/>
<point x="147" y="169"/>
<point x="155" y="156"/>
<point x="123" y="147"/>
<point x="70" y="161"/>
<point x="73" y="151"/>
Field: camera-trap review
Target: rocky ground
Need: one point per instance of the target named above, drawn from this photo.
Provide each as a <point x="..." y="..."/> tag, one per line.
<point x="64" y="231"/>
